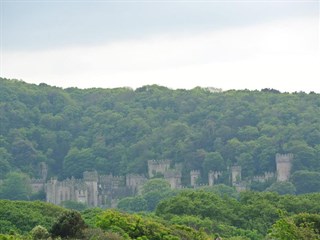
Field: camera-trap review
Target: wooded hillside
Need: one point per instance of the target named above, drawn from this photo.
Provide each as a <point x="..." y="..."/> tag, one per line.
<point x="117" y="130"/>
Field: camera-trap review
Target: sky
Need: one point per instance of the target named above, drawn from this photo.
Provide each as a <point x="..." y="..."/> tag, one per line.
<point x="230" y="44"/>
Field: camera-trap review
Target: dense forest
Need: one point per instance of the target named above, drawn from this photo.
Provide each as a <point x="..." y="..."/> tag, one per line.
<point x="117" y="130"/>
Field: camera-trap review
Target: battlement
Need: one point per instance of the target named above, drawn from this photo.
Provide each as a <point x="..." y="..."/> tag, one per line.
<point x="135" y="180"/>
<point x="236" y="168"/>
<point x="91" y="176"/>
<point x="37" y="181"/>
<point x="155" y="167"/>
<point x="153" y="161"/>
<point x="215" y="173"/>
<point x="172" y="174"/>
<point x="284" y="157"/>
<point x="195" y="172"/>
<point x="265" y="177"/>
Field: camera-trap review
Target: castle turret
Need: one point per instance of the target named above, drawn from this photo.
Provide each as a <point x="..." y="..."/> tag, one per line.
<point x="174" y="178"/>
<point x="235" y="174"/>
<point x="194" y="177"/>
<point x="284" y="164"/>
<point x="212" y="176"/>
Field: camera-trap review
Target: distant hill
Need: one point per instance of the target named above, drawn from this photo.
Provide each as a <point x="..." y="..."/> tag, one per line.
<point x="118" y="130"/>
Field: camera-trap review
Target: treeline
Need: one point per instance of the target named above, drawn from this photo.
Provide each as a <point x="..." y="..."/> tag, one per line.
<point x="117" y="130"/>
<point x="189" y="215"/>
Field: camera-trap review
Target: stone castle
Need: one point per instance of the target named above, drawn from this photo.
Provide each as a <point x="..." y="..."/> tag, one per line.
<point x="105" y="190"/>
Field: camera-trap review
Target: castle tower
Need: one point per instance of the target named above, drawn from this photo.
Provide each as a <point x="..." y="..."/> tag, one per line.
<point x="212" y="176"/>
<point x="135" y="182"/>
<point x="155" y="167"/>
<point x="235" y="174"/>
<point x="284" y="164"/>
<point x="91" y="180"/>
<point x="174" y="178"/>
<point x="194" y="177"/>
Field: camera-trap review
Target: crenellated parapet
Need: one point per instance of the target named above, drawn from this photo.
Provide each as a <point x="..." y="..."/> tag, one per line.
<point x="286" y="158"/>
<point x="265" y="177"/>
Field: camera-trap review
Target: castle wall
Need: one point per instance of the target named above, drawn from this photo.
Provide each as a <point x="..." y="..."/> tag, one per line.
<point x="95" y="190"/>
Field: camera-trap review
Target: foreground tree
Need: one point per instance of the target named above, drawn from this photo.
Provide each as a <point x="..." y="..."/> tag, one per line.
<point x="303" y="226"/>
<point x="69" y="225"/>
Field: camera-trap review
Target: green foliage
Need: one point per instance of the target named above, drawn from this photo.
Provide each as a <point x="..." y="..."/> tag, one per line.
<point x="306" y="181"/>
<point x="74" y="205"/>
<point x="99" y="234"/>
<point x="69" y="225"/>
<point x="251" y="216"/>
<point x="23" y="216"/>
<point x="194" y="222"/>
<point x="16" y="186"/>
<point x="282" y="188"/>
<point x="90" y="216"/>
<point x="222" y="190"/>
<point x="136" y="227"/>
<point x="13" y="237"/>
<point x="298" y="227"/>
<point x="5" y="159"/>
<point x="134" y="204"/>
<point x="156" y="184"/>
<point x="77" y="161"/>
<point x="39" y="232"/>
<point x="198" y="203"/>
<point x="153" y="191"/>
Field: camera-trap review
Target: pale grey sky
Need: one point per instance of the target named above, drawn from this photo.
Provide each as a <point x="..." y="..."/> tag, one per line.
<point x="178" y="44"/>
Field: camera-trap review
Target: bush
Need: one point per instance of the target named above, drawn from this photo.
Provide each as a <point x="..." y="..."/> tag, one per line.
<point x="39" y="232"/>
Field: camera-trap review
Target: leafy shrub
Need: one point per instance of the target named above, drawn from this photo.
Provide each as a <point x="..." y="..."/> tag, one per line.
<point x="39" y="232"/>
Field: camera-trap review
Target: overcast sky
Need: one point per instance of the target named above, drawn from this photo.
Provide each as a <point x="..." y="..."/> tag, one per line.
<point x="179" y="44"/>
